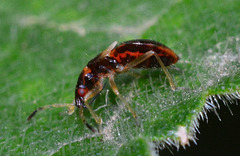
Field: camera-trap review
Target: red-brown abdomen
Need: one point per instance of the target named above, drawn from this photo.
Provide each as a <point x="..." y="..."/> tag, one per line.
<point x="130" y="50"/>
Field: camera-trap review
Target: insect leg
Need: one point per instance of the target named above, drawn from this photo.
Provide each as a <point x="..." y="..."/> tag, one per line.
<point x="170" y="79"/>
<point x="115" y="90"/>
<point x="107" y="51"/>
<point x="146" y="56"/>
<point x="138" y="60"/>
<point x="84" y="120"/>
<point x="93" y="94"/>
<point x="95" y="116"/>
<point x="70" y="106"/>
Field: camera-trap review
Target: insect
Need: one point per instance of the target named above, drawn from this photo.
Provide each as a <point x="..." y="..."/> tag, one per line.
<point x="116" y="59"/>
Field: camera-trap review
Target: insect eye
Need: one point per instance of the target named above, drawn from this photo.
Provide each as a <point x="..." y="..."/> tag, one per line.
<point x="82" y="91"/>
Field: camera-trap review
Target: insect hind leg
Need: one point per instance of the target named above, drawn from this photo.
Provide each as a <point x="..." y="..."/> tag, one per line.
<point x="146" y="56"/>
<point x="170" y="79"/>
<point x="71" y="109"/>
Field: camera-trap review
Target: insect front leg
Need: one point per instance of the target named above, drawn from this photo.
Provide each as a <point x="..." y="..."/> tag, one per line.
<point x="91" y="94"/>
<point x="95" y="116"/>
<point x="84" y="120"/>
<point x="115" y="90"/>
<point x="146" y="56"/>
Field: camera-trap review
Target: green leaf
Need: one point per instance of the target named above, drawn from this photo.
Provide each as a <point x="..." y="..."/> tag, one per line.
<point x="46" y="44"/>
<point x="135" y="147"/>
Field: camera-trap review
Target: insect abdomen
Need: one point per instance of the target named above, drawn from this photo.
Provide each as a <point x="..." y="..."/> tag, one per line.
<point x="130" y="50"/>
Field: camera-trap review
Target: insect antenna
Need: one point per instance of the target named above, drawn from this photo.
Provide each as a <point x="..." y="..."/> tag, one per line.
<point x="69" y="105"/>
<point x="33" y="114"/>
